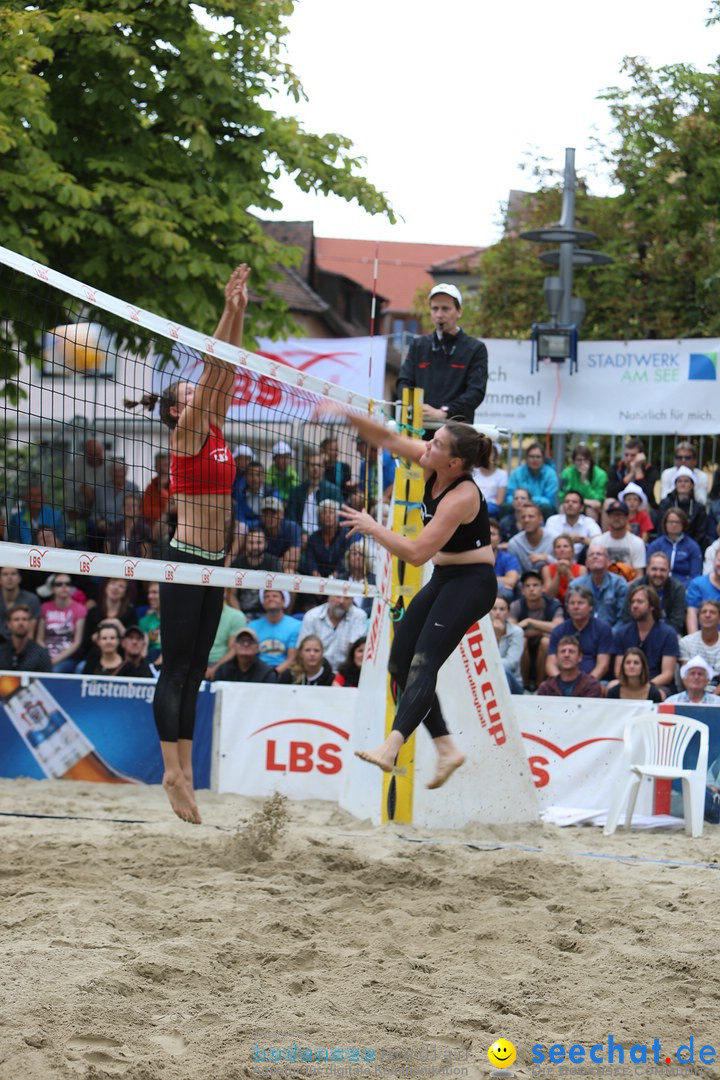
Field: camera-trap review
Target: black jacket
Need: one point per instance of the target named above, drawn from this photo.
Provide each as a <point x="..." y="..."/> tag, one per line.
<point x="451" y="372"/>
<point x="259" y="672"/>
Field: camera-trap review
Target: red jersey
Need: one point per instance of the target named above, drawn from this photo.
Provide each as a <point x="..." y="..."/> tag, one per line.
<point x="209" y="472"/>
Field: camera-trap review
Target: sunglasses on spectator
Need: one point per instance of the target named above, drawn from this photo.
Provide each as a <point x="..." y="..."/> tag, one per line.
<point x="684" y="457"/>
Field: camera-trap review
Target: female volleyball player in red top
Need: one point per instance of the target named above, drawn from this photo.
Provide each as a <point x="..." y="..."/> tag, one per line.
<point x="202" y="471"/>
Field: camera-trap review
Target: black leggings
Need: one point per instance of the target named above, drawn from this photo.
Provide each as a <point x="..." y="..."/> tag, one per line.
<point x="433" y="626"/>
<point x="189" y="617"/>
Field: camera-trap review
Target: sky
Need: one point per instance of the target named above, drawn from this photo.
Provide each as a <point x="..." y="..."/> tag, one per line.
<point x="446" y="100"/>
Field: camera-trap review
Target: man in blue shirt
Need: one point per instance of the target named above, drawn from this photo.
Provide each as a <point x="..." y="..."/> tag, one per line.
<point x="367" y="481"/>
<point x="276" y="632"/>
<point x="608" y="589"/>
<point x="284" y="538"/>
<point x="594" y="635"/>
<point x="705" y="587"/>
<point x="649" y="632"/>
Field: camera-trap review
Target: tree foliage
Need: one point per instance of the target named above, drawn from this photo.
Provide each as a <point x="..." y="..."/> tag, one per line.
<point x="662" y="229"/>
<point x="134" y="141"/>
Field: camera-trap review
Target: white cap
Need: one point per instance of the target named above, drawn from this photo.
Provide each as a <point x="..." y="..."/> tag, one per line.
<point x="285" y="596"/>
<point x="447" y="290"/>
<point x="697" y="661"/>
<point x="634" y="489"/>
<point x="281" y="448"/>
<point x="241" y="450"/>
<point x="682" y="470"/>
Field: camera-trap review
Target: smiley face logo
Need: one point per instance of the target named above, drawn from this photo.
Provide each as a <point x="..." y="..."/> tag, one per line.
<point x="501" y="1054"/>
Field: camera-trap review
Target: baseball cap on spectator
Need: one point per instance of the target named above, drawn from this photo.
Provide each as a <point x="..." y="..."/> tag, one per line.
<point x="250" y="633"/>
<point x="617" y="507"/>
<point x="281" y="448"/>
<point x="682" y="470"/>
<point x="447" y="290"/>
<point x="241" y="450"/>
<point x="529" y="574"/>
<point x="272" y="503"/>
<point x="697" y="661"/>
<point x="135" y="630"/>
<point x="285" y="596"/>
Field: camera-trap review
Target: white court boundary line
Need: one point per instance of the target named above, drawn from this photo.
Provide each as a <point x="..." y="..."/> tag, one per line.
<point x="85" y="563"/>
<point x="203" y="343"/>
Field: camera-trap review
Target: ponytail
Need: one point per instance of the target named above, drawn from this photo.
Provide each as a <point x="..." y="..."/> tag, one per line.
<point x="474" y="450"/>
<point x="167" y="400"/>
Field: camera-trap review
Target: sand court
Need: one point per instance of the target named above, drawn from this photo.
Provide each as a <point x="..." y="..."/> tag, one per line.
<point x="162" y="951"/>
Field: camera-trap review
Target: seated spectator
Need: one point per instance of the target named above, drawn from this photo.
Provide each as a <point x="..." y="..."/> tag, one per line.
<point x="558" y="575"/>
<point x="671" y="592"/>
<point x="511" y="519"/>
<point x="149" y="623"/>
<point x="537" y="616"/>
<point x="157" y="494"/>
<point x="511" y="642"/>
<point x="684" y="555"/>
<point x="507" y="568"/>
<point x="250" y="499"/>
<point x="633" y="681"/>
<point x="337" y="623"/>
<point x="570" y="681"/>
<point x="254" y="557"/>
<point x="326" y="548"/>
<point x="243" y="457"/>
<point x="587" y="479"/>
<point x="358" y="569"/>
<point x="109" y="660"/>
<point x="348" y="674"/>
<point x="683" y="498"/>
<point x="533" y="546"/>
<point x="110" y="501"/>
<point x="609" y="590"/>
<point x="277" y="633"/>
<point x="232" y="620"/>
<point x="713" y="509"/>
<point x="492" y="481"/>
<point x="114" y="603"/>
<point x="625" y="551"/>
<point x="367" y="485"/>
<point x="85" y="474"/>
<point x="11" y="595"/>
<point x="685" y="455"/>
<point x="34" y="513"/>
<point x="61" y="626"/>
<point x="39" y="582"/>
<point x="705" y="587"/>
<point x="572" y="522"/>
<point x="705" y="642"/>
<point x="695" y="675"/>
<point x="639" y="521"/>
<point x="282" y="477"/>
<point x="134" y="646"/>
<point x="539" y="479"/>
<point x="131" y="534"/>
<point x="246" y="665"/>
<point x="309" y="668"/>
<point x="709" y="557"/>
<point x="594" y="635"/>
<point x="648" y="632"/>
<point x="283" y="538"/>
<point x="19" y="652"/>
<point x="634" y="466"/>
<point x="335" y="472"/>
<point x="304" y="501"/>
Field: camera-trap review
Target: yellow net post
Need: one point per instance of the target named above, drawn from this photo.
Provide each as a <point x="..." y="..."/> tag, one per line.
<point x="406" y="581"/>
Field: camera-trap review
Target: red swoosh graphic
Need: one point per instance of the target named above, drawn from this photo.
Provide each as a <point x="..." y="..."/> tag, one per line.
<point x="570" y="749"/>
<point x="316" y="358"/>
<point x="302" y="720"/>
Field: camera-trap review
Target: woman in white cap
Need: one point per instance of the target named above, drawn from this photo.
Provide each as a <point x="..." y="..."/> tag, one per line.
<point x="695" y="675"/>
<point x="683" y="498"/>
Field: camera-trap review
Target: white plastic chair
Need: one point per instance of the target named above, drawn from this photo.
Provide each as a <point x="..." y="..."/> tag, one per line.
<point x="665" y="738"/>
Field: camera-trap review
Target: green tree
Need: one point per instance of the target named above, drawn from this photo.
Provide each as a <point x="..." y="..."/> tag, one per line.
<point x="661" y="230"/>
<point x="134" y="141"/>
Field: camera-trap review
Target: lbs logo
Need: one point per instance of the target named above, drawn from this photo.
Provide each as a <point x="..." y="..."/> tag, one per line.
<point x="300" y="755"/>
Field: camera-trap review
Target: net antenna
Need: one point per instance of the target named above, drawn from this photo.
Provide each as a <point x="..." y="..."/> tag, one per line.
<point x="73" y="356"/>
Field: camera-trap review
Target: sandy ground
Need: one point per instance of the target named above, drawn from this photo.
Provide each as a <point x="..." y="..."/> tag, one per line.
<point x="162" y="950"/>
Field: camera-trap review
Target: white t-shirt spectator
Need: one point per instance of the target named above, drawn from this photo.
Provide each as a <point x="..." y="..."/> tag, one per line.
<point x="630" y="549"/>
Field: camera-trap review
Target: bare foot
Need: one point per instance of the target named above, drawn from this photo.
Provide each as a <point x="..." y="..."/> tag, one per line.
<point x="385" y="754"/>
<point x="182" y="798"/>
<point x="449" y="759"/>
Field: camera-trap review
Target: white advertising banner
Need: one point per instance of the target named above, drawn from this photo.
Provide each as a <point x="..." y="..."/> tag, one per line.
<point x="356" y="363"/>
<point x="651" y="387"/>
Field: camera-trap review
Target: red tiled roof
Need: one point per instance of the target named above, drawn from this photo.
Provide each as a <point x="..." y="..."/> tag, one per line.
<point x="402" y="268"/>
<point x="460" y="264"/>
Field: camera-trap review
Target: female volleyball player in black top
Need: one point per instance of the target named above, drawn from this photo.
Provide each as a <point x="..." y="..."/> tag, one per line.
<point x="202" y="471"/>
<point x="461" y="590"/>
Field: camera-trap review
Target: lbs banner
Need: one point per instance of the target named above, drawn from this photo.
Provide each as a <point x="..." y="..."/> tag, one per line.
<point x="648" y="387"/>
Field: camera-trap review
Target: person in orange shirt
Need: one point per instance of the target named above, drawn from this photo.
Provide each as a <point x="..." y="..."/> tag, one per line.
<point x="157" y="493"/>
<point x="557" y="576"/>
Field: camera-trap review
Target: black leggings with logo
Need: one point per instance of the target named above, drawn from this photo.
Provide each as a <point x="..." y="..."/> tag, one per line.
<point x="189" y="617"/>
<point x="433" y="626"/>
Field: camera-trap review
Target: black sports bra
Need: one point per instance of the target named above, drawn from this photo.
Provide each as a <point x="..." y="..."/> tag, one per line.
<point x="475" y="534"/>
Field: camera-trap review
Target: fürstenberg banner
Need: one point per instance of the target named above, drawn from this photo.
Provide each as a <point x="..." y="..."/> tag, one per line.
<point x="653" y="387"/>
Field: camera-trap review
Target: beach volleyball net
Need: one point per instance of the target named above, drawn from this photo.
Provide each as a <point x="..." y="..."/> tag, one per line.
<point x="85" y="455"/>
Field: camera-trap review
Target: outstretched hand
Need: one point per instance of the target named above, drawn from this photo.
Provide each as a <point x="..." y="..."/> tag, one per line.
<point x="356" y="521"/>
<point x="236" y="291"/>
